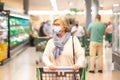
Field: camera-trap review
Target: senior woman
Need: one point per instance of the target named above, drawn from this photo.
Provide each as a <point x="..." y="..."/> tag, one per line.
<point x="59" y="49"/>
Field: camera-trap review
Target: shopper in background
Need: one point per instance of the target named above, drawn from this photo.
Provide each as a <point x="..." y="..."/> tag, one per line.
<point x="41" y="30"/>
<point x="108" y="31"/>
<point x="32" y="35"/>
<point x="78" y="31"/>
<point x="31" y="38"/>
<point x="48" y="29"/>
<point x="96" y="31"/>
<point x="59" y="50"/>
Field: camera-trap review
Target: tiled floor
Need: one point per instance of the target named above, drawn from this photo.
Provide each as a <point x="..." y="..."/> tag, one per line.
<point x="22" y="67"/>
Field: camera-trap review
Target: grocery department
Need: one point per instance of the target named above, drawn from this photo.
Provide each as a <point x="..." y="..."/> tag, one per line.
<point x="28" y="33"/>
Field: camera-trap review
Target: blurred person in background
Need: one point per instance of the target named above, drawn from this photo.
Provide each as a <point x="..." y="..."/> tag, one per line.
<point x="33" y="34"/>
<point x="59" y="49"/>
<point x="78" y="31"/>
<point x="41" y="30"/>
<point x="96" y="30"/>
<point x="48" y="29"/>
<point x="31" y="38"/>
<point x="108" y="36"/>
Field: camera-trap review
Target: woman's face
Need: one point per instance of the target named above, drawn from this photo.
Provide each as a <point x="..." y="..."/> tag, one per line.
<point x="59" y="23"/>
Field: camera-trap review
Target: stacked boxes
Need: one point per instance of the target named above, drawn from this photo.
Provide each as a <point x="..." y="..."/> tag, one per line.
<point x="3" y="50"/>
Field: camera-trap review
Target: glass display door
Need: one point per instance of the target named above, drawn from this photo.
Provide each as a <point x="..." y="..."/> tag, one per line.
<point x="116" y="32"/>
<point x="3" y="36"/>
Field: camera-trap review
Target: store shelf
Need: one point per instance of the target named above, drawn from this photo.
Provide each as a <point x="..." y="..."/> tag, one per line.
<point x="14" y="30"/>
<point x="3" y="30"/>
<point x="3" y="37"/>
<point x="18" y="49"/>
<point x="19" y="28"/>
<point x="116" y="38"/>
<point x="4" y="61"/>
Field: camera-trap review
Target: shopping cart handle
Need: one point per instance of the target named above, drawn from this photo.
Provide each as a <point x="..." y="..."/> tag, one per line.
<point x="64" y="68"/>
<point x="61" y="68"/>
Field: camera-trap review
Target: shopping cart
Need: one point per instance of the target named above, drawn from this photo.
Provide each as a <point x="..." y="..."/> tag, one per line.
<point x="108" y="38"/>
<point x="61" y="73"/>
<point x="40" y="43"/>
<point x="87" y="49"/>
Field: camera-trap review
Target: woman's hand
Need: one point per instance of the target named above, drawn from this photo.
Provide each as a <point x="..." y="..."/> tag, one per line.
<point x="52" y="67"/>
<point x="75" y="67"/>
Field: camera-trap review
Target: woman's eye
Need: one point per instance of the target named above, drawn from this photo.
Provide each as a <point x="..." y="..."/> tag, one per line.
<point x="57" y="24"/>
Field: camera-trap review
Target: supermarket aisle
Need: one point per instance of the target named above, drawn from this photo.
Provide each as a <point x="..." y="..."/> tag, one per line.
<point x="22" y="67"/>
<point x="107" y="74"/>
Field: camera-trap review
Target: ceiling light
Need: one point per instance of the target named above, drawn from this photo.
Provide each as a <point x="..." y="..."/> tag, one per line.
<point x="42" y="12"/>
<point x="70" y="3"/>
<point x="106" y="12"/>
<point x="101" y="5"/>
<point x="54" y="5"/>
<point x="115" y="5"/>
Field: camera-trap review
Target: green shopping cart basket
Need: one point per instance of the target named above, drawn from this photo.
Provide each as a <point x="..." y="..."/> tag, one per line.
<point x="40" y="43"/>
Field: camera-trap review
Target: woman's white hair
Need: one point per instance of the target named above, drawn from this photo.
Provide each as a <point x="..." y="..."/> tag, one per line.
<point x="65" y="22"/>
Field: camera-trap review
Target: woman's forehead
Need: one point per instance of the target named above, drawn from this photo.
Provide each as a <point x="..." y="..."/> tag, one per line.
<point x="57" y="21"/>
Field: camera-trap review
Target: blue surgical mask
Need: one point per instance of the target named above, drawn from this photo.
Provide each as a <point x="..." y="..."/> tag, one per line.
<point x="57" y="29"/>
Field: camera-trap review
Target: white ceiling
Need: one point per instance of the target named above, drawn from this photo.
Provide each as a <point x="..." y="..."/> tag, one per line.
<point x="61" y="4"/>
<point x="40" y="5"/>
<point x="64" y="4"/>
<point x="14" y="3"/>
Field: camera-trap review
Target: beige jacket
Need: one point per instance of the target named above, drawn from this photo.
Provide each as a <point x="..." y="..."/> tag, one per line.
<point x="66" y="57"/>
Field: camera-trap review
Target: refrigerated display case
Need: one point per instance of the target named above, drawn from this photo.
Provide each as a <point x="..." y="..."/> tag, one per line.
<point x="4" y="39"/>
<point x="116" y="33"/>
<point x="116" y="38"/>
<point x="19" y="33"/>
<point x="14" y="34"/>
<point x="19" y="28"/>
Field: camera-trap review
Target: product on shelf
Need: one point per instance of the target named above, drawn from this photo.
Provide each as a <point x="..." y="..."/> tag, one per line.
<point x="0" y="54"/>
<point x="19" y="29"/>
<point x="3" y="37"/>
<point x="3" y="50"/>
<point x="3" y="26"/>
